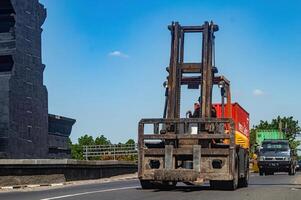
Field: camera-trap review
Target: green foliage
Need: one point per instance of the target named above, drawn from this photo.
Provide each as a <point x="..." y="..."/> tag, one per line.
<point x="102" y="140"/>
<point x="77" y="152"/>
<point x="77" y="149"/>
<point x="86" y="140"/>
<point x="294" y="144"/>
<point x="252" y="140"/>
<point x="130" y="141"/>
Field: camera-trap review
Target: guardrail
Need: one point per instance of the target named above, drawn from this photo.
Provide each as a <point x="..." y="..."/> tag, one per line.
<point x="115" y="150"/>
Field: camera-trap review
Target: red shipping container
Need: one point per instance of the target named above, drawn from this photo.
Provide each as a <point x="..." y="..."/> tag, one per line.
<point x="239" y="115"/>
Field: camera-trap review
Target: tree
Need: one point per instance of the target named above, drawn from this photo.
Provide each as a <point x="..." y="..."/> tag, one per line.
<point x="77" y="152"/>
<point x="86" y="140"/>
<point x="130" y="141"/>
<point x="287" y="125"/>
<point x="252" y="140"/>
<point x="102" y="140"/>
<point x="77" y="149"/>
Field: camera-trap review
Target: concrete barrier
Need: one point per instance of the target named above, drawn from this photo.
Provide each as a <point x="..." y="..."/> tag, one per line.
<point x="45" y="171"/>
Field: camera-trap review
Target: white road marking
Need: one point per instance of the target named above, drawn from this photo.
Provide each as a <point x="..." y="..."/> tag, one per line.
<point x="92" y="192"/>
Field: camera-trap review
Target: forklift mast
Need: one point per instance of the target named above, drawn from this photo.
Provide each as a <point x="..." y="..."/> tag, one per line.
<point x="206" y="70"/>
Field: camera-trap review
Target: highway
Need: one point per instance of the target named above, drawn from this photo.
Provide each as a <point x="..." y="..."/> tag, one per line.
<point x="279" y="186"/>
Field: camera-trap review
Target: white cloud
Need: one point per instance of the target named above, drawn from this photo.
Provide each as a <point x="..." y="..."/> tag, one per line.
<point x="258" y="92"/>
<point x="118" y="54"/>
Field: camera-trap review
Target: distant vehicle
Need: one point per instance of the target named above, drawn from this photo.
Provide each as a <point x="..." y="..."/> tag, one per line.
<point x="276" y="156"/>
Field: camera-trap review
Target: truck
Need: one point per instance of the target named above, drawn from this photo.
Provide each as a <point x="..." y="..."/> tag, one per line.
<point x="277" y="156"/>
<point x="210" y="145"/>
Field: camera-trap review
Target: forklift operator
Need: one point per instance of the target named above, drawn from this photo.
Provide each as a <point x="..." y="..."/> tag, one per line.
<point x="196" y="112"/>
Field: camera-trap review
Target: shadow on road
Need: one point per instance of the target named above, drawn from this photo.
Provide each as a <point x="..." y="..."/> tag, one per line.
<point x="181" y="189"/>
<point x="187" y="189"/>
<point x="283" y="184"/>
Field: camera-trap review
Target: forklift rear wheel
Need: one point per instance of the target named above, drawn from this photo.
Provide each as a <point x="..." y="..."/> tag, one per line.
<point x="227" y="185"/>
<point x="146" y="184"/>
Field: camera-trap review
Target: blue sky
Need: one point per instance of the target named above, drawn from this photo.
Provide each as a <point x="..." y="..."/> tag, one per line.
<point x="105" y="60"/>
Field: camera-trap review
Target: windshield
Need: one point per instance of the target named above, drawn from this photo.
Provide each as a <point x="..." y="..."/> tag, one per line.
<point x="275" y="146"/>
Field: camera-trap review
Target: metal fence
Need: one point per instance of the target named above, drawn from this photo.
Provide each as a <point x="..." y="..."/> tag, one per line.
<point x="112" y="151"/>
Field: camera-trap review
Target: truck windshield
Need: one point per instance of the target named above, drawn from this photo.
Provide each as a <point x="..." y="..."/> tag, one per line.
<point x="279" y="146"/>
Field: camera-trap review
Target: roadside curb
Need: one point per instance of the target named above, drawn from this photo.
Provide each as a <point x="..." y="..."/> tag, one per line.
<point x="119" y="179"/>
<point x="31" y="186"/>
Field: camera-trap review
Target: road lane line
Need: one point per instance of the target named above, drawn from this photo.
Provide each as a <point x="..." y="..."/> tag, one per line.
<point x="92" y="192"/>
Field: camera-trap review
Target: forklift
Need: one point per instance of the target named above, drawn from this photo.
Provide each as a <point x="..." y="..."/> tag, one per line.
<point x="193" y="150"/>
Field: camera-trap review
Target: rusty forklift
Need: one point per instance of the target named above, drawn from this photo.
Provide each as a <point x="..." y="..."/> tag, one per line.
<point x="192" y="150"/>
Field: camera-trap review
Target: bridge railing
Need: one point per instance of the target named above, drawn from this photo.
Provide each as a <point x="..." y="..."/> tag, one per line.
<point x="113" y="151"/>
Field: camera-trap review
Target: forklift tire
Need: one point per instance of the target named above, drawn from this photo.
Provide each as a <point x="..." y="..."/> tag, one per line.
<point x="217" y="185"/>
<point x="233" y="184"/>
<point x="224" y="185"/>
<point x="146" y="184"/>
<point x="167" y="185"/>
<point x="244" y="182"/>
<point x="227" y="185"/>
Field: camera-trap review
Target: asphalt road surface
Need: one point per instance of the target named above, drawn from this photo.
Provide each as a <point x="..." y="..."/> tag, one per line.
<point x="279" y="186"/>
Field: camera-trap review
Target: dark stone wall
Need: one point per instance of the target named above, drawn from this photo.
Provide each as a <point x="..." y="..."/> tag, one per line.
<point x="59" y="130"/>
<point x="58" y="147"/>
<point x="27" y="173"/>
<point x="23" y="97"/>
